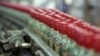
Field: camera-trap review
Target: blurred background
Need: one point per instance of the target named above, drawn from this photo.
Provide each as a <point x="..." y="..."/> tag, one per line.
<point x="87" y="10"/>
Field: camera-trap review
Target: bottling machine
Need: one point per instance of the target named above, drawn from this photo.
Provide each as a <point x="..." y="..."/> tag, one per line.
<point x="31" y="31"/>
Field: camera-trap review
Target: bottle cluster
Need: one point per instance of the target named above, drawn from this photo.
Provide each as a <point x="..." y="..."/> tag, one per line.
<point x="79" y="31"/>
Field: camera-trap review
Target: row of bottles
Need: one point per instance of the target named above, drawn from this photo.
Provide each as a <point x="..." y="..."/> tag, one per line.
<point x="59" y="42"/>
<point x="74" y="28"/>
<point x="81" y="32"/>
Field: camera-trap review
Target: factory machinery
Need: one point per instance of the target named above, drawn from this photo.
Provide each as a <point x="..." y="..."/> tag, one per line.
<point x="29" y="31"/>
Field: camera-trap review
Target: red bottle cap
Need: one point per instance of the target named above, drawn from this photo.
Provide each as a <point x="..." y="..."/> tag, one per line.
<point x="56" y="23"/>
<point x="48" y="20"/>
<point x="34" y="14"/>
<point x="81" y="36"/>
<point x="43" y="18"/>
<point x="96" y="44"/>
<point x="95" y="29"/>
<point x="60" y="17"/>
<point x="62" y="27"/>
<point x="52" y="15"/>
<point x="47" y="10"/>
<point x="41" y="11"/>
<point x="55" y="10"/>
